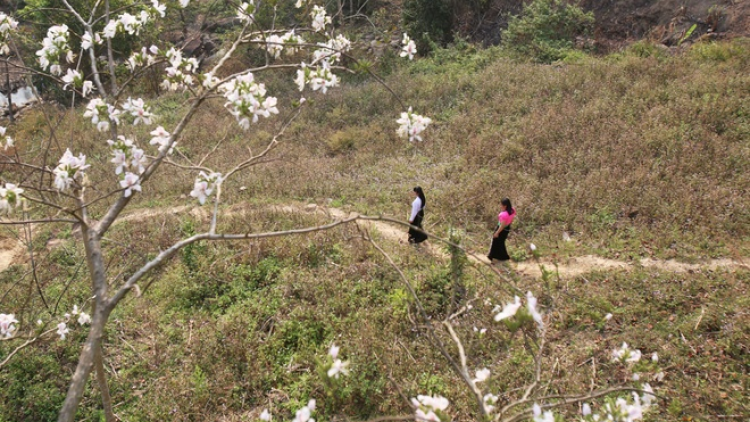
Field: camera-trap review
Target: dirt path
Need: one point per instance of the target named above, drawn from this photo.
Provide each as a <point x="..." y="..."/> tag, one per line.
<point x="11" y="250"/>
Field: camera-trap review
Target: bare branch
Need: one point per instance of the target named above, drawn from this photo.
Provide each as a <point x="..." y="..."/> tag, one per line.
<point x="16" y="350"/>
<point x="23" y="346"/>
<point x="467" y="378"/>
<point x="430" y="330"/>
<point x="565" y="400"/>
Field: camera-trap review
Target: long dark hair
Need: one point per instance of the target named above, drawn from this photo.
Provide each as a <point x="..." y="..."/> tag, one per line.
<point x="508" y="207"/>
<point x="420" y="194"/>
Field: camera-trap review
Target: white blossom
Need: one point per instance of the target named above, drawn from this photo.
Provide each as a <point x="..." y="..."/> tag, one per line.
<point x="204" y="186"/>
<point x="131" y="182"/>
<point x="74" y="79"/>
<point x="654" y="357"/>
<point x="54" y="45"/>
<point x="304" y="414"/>
<point x="71" y="77"/>
<point x="84" y="319"/>
<point x="201" y="190"/>
<point x="127" y="155"/>
<point x="110" y="30"/>
<point x="541" y="417"/>
<point x="62" y="330"/>
<point x="265" y="416"/>
<point x="648" y="397"/>
<point x="138" y="110"/>
<point x="531" y="306"/>
<point x="88" y="41"/>
<point x="158" y="8"/>
<point x="68" y="169"/>
<point x="247" y="101"/>
<point x="210" y="81"/>
<point x="333" y="352"/>
<point x="411" y="125"/>
<point x="482" y="375"/>
<point x="101" y="114"/>
<point x="409" y="47"/>
<point x="138" y="160"/>
<point x="145" y="57"/>
<point x="427" y="406"/>
<point x="181" y="72"/>
<point x="338" y="367"/>
<point x="246" y="11"/>
<point x="626" y="354"/>
<point x="489" y="401"/>
<point x="7" y="325"/>
<point x="586" y="409"/>
<point x="319" y="18"/>
<point x="7" y="24"/>
<point x="160" y="137"/>
<point x="301" y="76"/>
<point x="332" y="49"/>
<point x="120" y="161"/>
<point x="87" y="87"/>
<point x="509" y="310"/>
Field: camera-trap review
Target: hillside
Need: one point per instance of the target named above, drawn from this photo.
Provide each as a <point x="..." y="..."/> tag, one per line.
<point x="629" y="166"/>
<point x="618" y="22"/>
<point x="635" y="156"/>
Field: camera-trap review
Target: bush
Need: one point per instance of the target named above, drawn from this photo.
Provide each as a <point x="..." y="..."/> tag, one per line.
<point x="547" y="30"/>
<point x="428" y="22"/>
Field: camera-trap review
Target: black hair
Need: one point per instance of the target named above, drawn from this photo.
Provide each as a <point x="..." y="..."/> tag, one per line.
<point x="420" y="194"/>
<point x="508" y="207"/>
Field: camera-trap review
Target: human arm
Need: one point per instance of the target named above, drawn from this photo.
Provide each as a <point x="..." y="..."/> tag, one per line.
<point x="415" y="207"/>
<point x="500" y="228"/>
<point x="500" y="225"/>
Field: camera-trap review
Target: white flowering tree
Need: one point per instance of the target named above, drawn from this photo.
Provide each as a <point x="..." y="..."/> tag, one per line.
<point x="526" y="319"/>
<point x="67" y="188"/>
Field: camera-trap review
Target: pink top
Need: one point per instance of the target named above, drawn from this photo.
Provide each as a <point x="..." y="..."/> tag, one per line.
<point x="505" y="219"/>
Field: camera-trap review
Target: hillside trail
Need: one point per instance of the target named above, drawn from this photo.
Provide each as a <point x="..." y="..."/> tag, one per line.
<point x="12" y="250"/>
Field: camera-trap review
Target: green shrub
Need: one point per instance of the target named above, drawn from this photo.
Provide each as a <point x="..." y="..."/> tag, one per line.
<point x="716" y="51"/>
<point x="644" y="48"/>
<point x="428" y="22"/>
<point x="547" y="30"/>
<point x="435" y="292"/>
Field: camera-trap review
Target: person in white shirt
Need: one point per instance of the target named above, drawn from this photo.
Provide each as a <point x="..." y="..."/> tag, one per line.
<point x="417" y="215"/>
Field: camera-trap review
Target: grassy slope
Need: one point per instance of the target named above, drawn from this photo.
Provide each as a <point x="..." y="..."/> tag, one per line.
<point x="634" y="155"/>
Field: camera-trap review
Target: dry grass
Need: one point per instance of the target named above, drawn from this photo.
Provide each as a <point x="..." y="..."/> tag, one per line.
<point x="633" y="156"/>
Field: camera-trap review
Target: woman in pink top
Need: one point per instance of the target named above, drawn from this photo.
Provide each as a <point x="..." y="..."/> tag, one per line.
<point x="504" y="220"/>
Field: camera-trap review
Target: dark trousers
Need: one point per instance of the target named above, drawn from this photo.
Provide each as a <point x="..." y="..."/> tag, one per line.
<point x="497" y="249"/>
<point x="416" y="236"/>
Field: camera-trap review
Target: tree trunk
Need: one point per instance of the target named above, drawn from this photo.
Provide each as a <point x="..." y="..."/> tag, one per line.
<point x="83" y="370"/>
<point x="10" y="90"/>
<point x="101" y="312"/>
<point x="101" y="378"/>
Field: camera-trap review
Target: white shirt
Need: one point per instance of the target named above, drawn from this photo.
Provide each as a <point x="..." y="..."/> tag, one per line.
<point x="415" y="207"/>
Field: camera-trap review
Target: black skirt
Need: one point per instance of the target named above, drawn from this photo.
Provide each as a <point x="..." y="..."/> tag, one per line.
<point x="416" y="236"/>
<point x="497" y="249"/>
